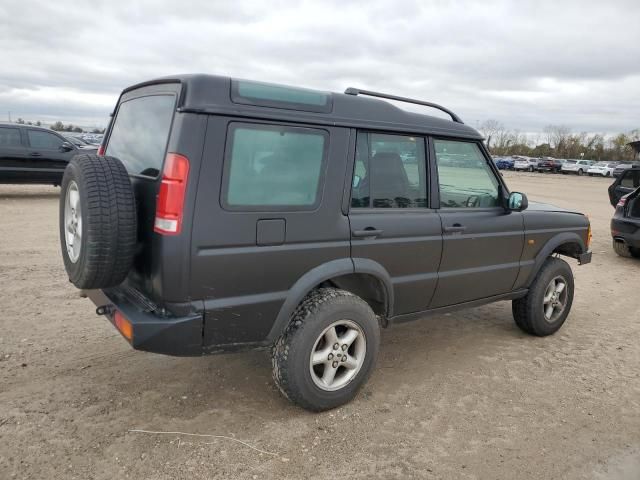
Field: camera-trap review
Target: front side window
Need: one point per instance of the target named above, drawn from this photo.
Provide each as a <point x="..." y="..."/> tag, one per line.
<point x="466" y="180"/>
<point x="274" y="166"/>
<point x="9" y="137"/>
<point x="389" y="172"/>
<point x="140" y="133"/>
<point x="44" y="140"/>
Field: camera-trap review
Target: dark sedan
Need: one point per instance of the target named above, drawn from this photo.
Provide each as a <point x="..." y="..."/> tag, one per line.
<point x="549" y="165"/>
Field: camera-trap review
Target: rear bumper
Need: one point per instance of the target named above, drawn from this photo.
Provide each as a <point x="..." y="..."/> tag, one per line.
<point x="151" y="332"/>
<point x="626" y="230"/>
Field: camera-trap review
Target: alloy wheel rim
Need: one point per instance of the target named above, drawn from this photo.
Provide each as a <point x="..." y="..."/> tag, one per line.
<point x="555" y="299"/>
<point x="337" y="355"/>
<point x="73" y="222"/>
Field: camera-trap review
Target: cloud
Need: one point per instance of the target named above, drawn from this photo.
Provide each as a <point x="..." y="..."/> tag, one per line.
<point x="525" y="63"/>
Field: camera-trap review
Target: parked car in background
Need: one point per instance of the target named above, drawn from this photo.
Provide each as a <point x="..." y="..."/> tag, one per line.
<point x="81" y="144"/>
<point x="504" y="163"/>
<point x="621" y="167"/>
<point x="526" y="164"/>
<point x="603" y="169"/>
<point x="579" y="167"/>
<point x="625" y="224"/>
<point x="31" y="154"/>
<point x="552" y="165"/>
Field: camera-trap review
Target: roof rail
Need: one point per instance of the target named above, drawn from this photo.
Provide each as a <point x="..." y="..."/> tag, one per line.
<point x="357" y="91"/>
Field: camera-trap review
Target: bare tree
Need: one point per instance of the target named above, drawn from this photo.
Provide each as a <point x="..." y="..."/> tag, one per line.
<point x="491" y="129"/>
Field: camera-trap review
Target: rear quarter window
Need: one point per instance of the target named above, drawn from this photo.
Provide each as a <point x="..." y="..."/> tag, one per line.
<point x="140" y="133"/>
<point x="273" y="167"/>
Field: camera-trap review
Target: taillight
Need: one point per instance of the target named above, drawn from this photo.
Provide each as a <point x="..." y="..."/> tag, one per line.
<point x="170" y="202"/>
<point x="622" y="202"/>
<point x="101" y="150"/>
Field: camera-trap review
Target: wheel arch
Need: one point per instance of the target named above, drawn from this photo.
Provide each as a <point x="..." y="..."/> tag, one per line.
<point x="569" y="244"/>
<point x="363" y="277"/>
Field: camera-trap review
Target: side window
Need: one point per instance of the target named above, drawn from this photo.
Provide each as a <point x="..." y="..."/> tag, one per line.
<point x="630" y="179"/>
<point x="271" y="166"/>
<point x="466" y="180"/>
<point x="44" y="140"/>
<point x="389" y="172"/>
<point x="9" y="137"/>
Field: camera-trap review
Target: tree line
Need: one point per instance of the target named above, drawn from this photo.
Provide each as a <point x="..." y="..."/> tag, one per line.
<point x="559" y="142"/>
<point x="61" y="127"/>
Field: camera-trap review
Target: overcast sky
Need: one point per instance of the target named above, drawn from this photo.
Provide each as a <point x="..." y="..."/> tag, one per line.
<point x="527" y="64"/>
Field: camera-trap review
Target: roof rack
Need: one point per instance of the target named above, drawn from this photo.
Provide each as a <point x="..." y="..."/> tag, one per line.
<point x="357" y="91"/>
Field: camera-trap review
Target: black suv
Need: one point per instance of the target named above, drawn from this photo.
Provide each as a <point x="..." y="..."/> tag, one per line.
<point x="625" y="224"/>
<point x="31" y="154"/>
<point x="230" y="214"/>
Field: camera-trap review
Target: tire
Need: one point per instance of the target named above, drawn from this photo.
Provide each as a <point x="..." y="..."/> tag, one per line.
<point x="293" y="372"/>
<point x="101" y="255"/>
<point x="531" y="169"/>
<point x="580" y="172"/>
<point x="529" y="311"/>
<point x="608" y="174"/>
<point x="625" y="250"/>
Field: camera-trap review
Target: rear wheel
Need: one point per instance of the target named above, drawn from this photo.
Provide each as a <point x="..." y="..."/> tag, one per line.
<point x="545" y="308"/>
<point x="328" y="350"/>
<point x="580" y="172"/>
<point x="97" y="221"/>
<point x="625" y="250"/>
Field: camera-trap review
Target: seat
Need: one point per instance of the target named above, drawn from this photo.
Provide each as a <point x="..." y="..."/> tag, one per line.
<point x="390" y="186"/>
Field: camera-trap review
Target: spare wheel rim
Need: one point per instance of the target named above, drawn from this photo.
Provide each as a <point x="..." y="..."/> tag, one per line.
<point x="73" y="222"/>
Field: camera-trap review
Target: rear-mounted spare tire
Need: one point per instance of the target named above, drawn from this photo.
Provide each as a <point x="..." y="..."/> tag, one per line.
<point x="97" y="221"/>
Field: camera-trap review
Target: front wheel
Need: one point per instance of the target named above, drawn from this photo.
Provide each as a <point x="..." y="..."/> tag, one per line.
<point x="580" y="172"/>
<point x="328" y="350"/>
<point x="545" y="308"/>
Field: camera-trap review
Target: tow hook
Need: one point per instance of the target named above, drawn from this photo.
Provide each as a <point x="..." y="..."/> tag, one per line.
<point x="104" y="310"/>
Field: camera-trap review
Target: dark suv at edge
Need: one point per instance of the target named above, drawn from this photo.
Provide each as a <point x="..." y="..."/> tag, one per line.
<point x="30" y="154"/>
<point x="250" y="215"/>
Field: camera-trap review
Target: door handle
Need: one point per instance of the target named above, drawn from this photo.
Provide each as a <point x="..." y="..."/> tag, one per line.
<point x="367" y="232"/>
<point x="455" y="228"/>
<point x="35" y="154"/>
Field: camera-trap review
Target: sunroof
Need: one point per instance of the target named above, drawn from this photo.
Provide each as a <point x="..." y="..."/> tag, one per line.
<point x="278" y="96"/>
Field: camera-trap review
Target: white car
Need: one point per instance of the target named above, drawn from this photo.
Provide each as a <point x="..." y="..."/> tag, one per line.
<point x="529" y="164"/>
<point x="603" y="169"/>
<point x="579" y="167"/>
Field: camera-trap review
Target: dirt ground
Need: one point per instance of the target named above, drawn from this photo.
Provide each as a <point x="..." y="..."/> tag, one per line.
<point x="458" y="396"/>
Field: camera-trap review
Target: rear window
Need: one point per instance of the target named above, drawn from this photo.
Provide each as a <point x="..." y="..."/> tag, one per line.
<point x="9" y="137"/>
<point x="278" y="96"/>
<point x="273" y="167"/>
<point x="140" y="133"/>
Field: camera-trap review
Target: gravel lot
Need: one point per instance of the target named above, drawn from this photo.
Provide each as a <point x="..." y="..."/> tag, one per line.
<point x="460" y="396"/>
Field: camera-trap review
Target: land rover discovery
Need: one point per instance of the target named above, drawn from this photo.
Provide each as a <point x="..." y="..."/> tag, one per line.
<point x="224" y="214"/>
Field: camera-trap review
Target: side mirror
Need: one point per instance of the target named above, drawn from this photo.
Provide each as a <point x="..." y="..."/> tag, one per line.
<point x="356" y="181"/>
<point x="66" y="147"/>
<point x="518" y="202"/>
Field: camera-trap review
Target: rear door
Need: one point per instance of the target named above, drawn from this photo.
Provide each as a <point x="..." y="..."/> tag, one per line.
<point x="47" y="155"/>
<point x="392" y="222"/>
<point x="13" y="155"/>
<point x="627" y="182"/>
<point x="482" y="243"/>
<point x="266" y="214"/>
